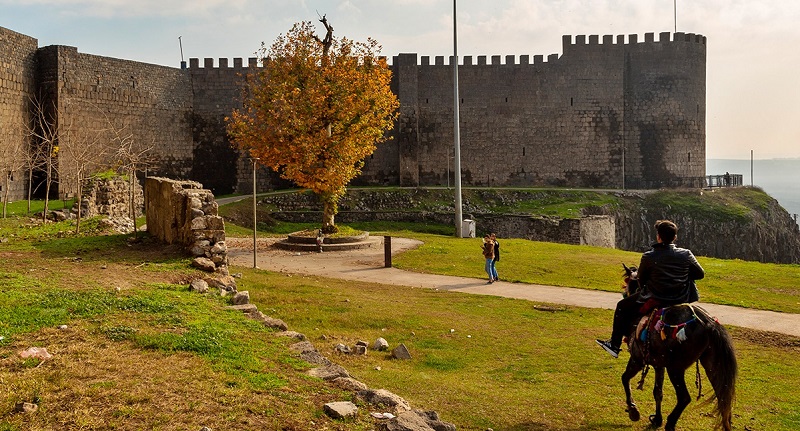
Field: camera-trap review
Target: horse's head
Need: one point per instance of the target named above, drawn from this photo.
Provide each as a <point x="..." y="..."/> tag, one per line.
<point x="631" y="279"/>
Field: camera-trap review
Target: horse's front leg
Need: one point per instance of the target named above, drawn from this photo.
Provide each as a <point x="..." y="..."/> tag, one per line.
<point x="676" y="376"/>
<point x="658" y="396"/>
<point x="631" y="370"/>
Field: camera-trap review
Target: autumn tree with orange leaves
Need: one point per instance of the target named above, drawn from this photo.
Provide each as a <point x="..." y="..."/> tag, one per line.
<point x="315" y="110"/>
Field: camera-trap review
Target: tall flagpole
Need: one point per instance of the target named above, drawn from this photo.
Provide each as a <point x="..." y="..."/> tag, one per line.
<point x="456" y="133"/>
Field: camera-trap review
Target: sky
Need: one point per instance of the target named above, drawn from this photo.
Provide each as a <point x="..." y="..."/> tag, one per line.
<point x="753" y="51"/>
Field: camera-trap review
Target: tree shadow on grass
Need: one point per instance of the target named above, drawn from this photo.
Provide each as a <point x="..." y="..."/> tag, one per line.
<point x="112" y="248"/>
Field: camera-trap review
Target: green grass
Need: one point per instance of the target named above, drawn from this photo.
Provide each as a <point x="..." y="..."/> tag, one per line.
<point x="483" y="361"/>
<point x="722" y="205"/>
<point x="20" y="208"/>
<point x="731" y="282"/>
<point x="155" y="356"/>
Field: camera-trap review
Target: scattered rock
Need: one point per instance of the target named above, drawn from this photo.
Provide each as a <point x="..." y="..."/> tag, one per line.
<point x="241" y="298"/>
<point x="309" y="353"/>
<point x="270" y="322"/>
<point x="199" y="286"/>
<point x="204" y="264"/>
<point x="340" y="410"/>
<point x="359" y="349"/>
<point x="63" y="327"/>
<point x="401" y="352"/>
<point x="416" y="420"/>
<point x="26" y="408"/>
<point x="349" y="384"/>
<point x="222" y="282"/>
<point x="382" y="397"/>
<point x="244" y="308"/>
<point x="329" y="372"/>
<point x="292" y="334"/>
<point x="381" y="345"/>
<point x="36" y="352"/>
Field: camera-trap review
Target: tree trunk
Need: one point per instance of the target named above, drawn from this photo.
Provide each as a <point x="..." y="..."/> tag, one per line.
<point x="30" y="189"/>
<point x="48" y="180"/>
<point x="5" y="197"/>
<point x="328" y="213"/>
<point x="329" y="209"/>
<point x="78" y="199"/>
<point x="132" y="195"/>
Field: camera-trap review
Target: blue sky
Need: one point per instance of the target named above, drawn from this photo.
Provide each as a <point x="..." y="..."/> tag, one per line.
<point x="753" y="96"/>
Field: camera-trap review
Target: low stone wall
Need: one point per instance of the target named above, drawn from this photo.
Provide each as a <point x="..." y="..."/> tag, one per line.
<point x="110" y="197"/>
<point x="182" y="212"/>
<point x="593" y="230"/>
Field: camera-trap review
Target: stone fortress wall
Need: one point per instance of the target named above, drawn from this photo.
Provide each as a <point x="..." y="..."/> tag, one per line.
<point x="17" y="86"/>
<point x="596" y="114"/>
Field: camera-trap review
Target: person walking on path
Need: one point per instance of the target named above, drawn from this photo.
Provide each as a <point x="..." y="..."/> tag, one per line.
<point x="667" y="277"/>
<point x="488" y="255"/>
<point x="496" y="259"/>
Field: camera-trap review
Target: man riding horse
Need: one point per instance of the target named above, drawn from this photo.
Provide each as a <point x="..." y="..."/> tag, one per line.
<point x="667" y="277"/>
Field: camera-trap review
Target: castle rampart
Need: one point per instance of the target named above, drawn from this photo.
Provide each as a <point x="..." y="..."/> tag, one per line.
<point x="17" y="87"/>
<point x="606" y="112"/>
<point x="596" y="116"/>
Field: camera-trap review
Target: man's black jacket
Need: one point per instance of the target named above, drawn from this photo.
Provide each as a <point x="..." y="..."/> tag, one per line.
<point x="667" y="273"/>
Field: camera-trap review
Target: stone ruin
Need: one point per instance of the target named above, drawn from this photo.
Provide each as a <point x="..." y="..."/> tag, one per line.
<point x="111" y="197"/>
<point x="184" y="213"/>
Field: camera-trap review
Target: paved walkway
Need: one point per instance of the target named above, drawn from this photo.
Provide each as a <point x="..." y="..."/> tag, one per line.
<point x="368" y="265"/>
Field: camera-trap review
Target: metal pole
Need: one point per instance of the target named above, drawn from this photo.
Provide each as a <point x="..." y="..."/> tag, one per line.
<point x="675" y="12"/>
<point x="751" y="168"/>
<point x="255" y="221"/>
<point x="623" y="169"/>
<point x="456" y="133"/>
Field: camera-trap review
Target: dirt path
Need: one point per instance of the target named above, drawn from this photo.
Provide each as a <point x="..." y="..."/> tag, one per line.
<point x="368" y="265"/>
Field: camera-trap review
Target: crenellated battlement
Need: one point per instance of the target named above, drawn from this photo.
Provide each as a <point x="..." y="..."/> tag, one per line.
<point x="238" y="63"/>
<point x="633" y="39"/>
<point x="569" y="42"/>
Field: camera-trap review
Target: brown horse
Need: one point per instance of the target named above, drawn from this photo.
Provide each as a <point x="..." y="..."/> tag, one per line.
<point x="682" y="335"/>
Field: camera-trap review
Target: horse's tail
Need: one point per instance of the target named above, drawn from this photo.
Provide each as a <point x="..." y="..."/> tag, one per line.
<point x="719" y="361"/>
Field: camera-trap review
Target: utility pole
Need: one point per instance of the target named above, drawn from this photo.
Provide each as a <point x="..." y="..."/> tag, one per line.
<point x="255" y="220"/>
<point x="456" y="132"/>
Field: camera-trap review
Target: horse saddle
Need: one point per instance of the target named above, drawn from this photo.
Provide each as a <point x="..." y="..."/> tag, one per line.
<point x="652" y="324"/>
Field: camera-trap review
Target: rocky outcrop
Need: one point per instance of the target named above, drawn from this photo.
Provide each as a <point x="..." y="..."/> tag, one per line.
<point x="742" y="223"/>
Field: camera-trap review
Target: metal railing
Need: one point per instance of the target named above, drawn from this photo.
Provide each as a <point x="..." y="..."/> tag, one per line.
<point x="725" y="180"/>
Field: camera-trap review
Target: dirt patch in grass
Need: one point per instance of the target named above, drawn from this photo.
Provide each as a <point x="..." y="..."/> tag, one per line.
<point x="766" y="339"/>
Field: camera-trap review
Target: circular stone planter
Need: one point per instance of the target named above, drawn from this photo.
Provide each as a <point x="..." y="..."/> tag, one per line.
<point x="297" y="242"/>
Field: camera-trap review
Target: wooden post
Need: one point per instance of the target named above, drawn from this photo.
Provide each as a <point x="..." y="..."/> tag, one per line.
<point x="387" y="251"/>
